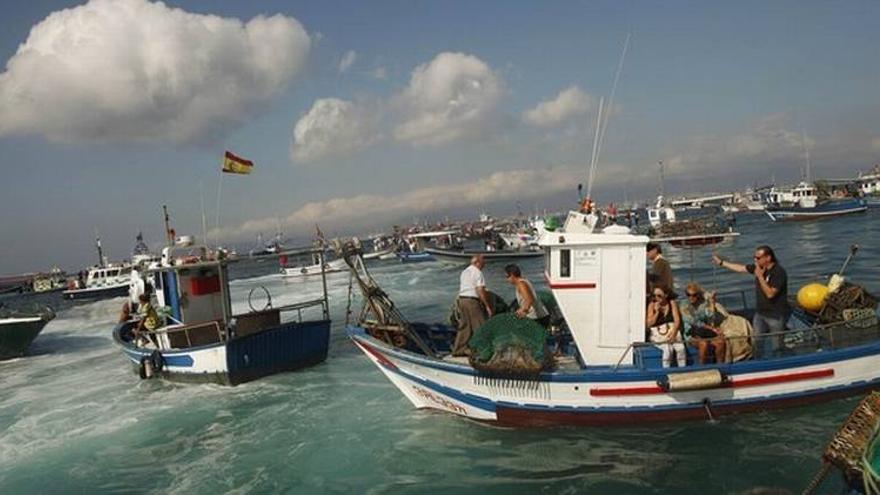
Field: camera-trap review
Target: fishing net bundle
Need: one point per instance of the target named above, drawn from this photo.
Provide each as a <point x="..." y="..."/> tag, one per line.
<point x="850" y="302"/>
<point x="509" y="346"/>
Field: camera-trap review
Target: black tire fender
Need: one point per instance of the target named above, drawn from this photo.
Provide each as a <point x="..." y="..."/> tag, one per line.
<point x="157" y="360"/>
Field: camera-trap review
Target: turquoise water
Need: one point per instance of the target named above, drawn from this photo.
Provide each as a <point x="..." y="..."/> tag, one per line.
<point x="75" y="418"/>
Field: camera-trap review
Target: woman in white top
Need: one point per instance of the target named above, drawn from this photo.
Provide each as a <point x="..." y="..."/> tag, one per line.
<point x="530" y="306"/>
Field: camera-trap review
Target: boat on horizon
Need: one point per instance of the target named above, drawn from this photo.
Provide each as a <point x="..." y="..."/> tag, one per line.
<point x="609" y="374"/>
<point x="201" y="339"/>
<point x="802" y="203"/>
<point x="19" y="327"/>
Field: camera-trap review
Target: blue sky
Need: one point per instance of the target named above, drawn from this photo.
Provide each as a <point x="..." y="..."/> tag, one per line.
<point x="361" y="114"/>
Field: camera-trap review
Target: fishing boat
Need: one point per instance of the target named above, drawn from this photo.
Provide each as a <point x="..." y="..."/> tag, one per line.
<point x="316" y="266"/>
<point x="463" y="256"/>
<point x="869" y="186"/>
<point x="19" y="327"/>
<point x="415" y="250"/>
<point x="106" y="280"/>
<point x="802" y="203"/>
<point x="610" y="374"/>
<point x="201" y="339"/>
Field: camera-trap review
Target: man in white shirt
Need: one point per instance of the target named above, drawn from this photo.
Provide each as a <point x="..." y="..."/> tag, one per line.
<point x="473" y="304"/>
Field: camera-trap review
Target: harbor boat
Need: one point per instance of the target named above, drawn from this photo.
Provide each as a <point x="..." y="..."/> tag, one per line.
<point x="201" y="339"/>
<point x="869" y="186"/>
<point x="463" y="256"/>
<point x="380" y="254"/>
<point x="316" y="266"/>
<point x="802" y="203"/>
<point x="19" y="327"/>
<point x="609" y="374"/>
<point x="101" y="282"/>
<point x="415" y="250"/>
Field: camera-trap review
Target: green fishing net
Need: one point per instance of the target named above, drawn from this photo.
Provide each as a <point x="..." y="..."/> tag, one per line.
<point x="508" y="345"/>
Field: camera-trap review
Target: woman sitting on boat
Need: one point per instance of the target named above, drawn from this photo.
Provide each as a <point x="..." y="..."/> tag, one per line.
<point x="701" y="319"/>
<point x="664" y="327"/>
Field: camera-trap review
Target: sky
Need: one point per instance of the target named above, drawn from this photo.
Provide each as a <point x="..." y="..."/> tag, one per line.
<point x="359" y="115"/>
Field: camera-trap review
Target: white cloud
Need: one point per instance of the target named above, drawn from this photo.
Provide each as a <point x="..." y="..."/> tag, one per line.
<point x="347" y="61"/>
<point x="568" y="103"/>
<point x="453" y="96"/>
<point x="134" y="70"/>
<point x="379" y="73"/>
<point x="767" y="143"/>
<point x="333" y="127"/>
<point x="369" y="210"/>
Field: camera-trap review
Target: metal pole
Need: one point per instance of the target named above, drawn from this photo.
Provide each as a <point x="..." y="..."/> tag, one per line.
<point x="324" y="284"/>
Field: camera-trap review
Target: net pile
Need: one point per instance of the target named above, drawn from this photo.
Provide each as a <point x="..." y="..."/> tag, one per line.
<point x="841" y="304"/>
<point x="509" y="346"/>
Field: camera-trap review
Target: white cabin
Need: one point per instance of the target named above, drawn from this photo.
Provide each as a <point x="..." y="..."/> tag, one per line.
<point x="598" y="279"/>
<point x="803" y="195"/>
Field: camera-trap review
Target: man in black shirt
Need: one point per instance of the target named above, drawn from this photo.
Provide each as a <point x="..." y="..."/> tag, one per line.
<point x="771" y="295"/>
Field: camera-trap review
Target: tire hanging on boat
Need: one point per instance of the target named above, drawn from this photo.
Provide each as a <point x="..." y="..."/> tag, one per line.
<point x="157" y="361"/>
<point x="145" y="370"/>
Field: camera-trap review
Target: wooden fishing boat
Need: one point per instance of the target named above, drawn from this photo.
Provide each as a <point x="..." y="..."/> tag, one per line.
<point x="202" y="340"/>
<point x="19" y="327"/>
<point x="610" y="374"/>
<point x="801" y="203"/>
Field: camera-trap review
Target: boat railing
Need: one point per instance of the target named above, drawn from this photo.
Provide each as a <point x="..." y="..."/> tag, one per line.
<point x="810" y="339"/>
<point x="173" y="337"/>
<point x="300" y="306"/>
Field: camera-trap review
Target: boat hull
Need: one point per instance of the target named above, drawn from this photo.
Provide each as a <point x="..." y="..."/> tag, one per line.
<point x="288" y="347"/>
<point x="833" y="209"/>
<point x="95" y="294"/>
<point x="16" y="334"/>
<point x="629" y="395"/>
<point x="415" y="257"/>
<point x="464" y="257"/>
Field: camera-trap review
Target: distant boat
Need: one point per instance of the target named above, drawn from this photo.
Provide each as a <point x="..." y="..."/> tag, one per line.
<point x="18" y="328"/>
<point x="313" y="268"/>
<point x="106" y="280"/>
<point x="802" y="203"/>
<point x="201" y="339"/>
<point x="415" y="257"/>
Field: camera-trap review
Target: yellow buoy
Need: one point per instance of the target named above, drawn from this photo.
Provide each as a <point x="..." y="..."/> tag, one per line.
<point x="812" y="296"/>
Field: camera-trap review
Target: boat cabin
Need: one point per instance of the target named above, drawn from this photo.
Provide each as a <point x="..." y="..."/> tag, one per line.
<point x="108" y="275"/>
<point x="598" y="279"/>
<point x="803" y="195"/>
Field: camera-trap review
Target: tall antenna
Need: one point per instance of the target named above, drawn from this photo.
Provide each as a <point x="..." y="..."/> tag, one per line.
<point x="806" y="174"/>
<point x="603" y="118"/>
<point x="662" y="179"/>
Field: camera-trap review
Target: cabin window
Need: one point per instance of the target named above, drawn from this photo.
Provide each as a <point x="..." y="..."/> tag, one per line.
<point x="565" y="263"/>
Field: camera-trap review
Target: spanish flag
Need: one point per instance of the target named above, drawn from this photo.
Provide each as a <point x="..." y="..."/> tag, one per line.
<point x="236" y="165"/>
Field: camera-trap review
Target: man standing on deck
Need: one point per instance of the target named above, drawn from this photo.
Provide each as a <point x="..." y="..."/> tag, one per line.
<point x="661" y="273"/>
<point x="771" y="296"/>
<point x="472" y="301"/>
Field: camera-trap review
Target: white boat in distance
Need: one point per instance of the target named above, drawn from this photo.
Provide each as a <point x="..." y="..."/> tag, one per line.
<point x="313" y="268"/>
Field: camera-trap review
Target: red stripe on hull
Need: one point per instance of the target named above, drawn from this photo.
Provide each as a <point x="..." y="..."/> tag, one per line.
<point x="535" y="417"/>
<point x="745" y="382"/>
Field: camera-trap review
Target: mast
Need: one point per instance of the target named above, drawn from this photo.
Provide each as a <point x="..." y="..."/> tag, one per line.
<point x="169" y="235"/>
<point x="806" y="174"/>
<point x="100" y="252"/>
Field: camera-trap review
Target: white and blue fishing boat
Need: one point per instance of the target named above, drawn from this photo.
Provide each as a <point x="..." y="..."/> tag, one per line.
<point x="609" y="374"/>
<point x="802" y="203"/>
<point x="201" y="338"/>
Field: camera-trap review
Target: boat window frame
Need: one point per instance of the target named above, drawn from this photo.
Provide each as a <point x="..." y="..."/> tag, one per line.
<point x="565" y="263"/>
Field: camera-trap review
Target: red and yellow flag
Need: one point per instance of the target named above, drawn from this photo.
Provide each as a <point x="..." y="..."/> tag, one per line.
<point x="236" y="165"/>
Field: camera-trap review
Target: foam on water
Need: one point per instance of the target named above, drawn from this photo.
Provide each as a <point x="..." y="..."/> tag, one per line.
<point x="76" y="418"/>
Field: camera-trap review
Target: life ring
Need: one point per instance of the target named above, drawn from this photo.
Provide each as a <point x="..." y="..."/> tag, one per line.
<point x="157" y="360"/>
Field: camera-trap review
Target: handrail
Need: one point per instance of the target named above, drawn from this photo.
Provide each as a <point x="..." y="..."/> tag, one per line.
<point x="186" y="329"/>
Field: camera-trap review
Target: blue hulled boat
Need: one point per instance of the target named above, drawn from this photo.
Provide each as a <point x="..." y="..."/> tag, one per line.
<point x="201" y="339"/>
<point x="802" y="203"/>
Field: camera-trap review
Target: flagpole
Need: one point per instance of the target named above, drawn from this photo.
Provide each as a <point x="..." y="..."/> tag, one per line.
<point x="204" y="219"/>
<point x="219" y="190"/>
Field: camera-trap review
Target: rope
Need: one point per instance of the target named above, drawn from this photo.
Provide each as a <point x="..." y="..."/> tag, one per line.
<point x="817" y="480"/>
<point x="348" y="306"/>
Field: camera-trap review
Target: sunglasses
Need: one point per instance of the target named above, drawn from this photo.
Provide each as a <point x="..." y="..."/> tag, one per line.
<point x="690" y="294"/>
<point x="659" y="296"/>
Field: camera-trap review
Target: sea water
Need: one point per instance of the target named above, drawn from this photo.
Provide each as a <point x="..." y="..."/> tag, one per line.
<point x="75" y="418"/>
